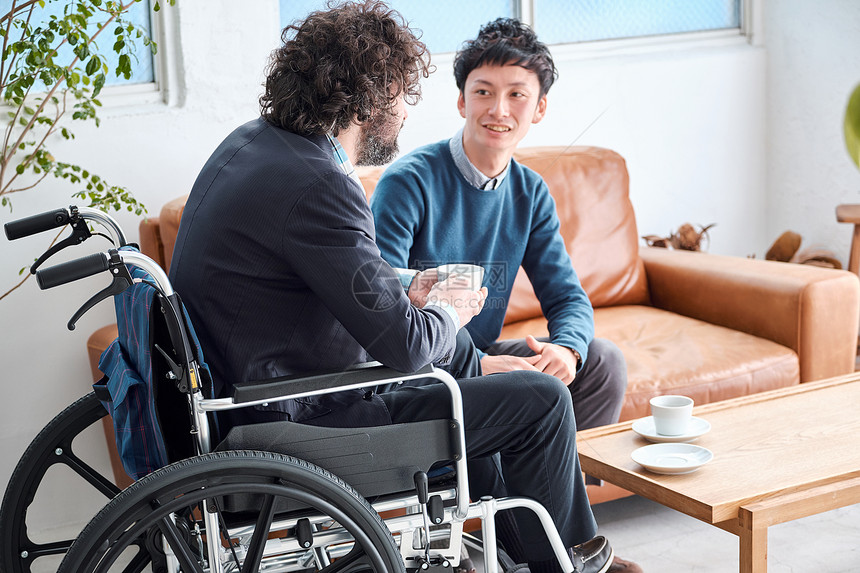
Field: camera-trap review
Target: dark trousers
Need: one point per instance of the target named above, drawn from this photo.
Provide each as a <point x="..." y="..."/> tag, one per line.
<point x="527" y="419"/>
<point x="519" y="425"/>
<point x="598" y="389"/>
<point x="597" y="394"/>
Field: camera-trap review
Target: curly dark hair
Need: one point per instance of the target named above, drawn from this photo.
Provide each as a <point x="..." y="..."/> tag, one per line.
<point x="506" y="41"/>
<point x="340" y="65"/>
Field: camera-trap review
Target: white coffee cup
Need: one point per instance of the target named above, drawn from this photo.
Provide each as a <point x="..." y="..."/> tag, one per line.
<point x="671" y="414"/>
<point x="473" y="273"/>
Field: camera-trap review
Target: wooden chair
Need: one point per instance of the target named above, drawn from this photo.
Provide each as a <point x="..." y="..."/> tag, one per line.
<point x="850" y="213"/>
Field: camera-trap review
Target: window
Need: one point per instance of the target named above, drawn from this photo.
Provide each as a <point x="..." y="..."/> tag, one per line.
<point x="447" y="23"/>
<point x="563" y="21"/>
<point x="141" y="56"/>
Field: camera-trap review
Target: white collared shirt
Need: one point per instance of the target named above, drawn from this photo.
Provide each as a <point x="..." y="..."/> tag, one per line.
<point x="472" y="174"/>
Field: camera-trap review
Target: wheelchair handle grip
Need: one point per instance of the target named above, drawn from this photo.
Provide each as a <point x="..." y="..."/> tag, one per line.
<point x="37" y="223"/>
<point x="72" y="270"/>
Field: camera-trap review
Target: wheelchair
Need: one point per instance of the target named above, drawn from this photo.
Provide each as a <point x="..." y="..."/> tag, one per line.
<point x="270" y="497"/>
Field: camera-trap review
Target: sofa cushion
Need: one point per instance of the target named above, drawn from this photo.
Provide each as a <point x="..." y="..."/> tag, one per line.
<point x="590" y="188"/>
<point x="667" y="353"/>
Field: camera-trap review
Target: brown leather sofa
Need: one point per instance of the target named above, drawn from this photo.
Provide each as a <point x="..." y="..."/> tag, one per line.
<point x="707" y="326"/>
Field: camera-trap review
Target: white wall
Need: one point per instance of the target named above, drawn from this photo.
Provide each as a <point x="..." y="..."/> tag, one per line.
<point x="690" y="121"/>
<point x="813" y="66"/>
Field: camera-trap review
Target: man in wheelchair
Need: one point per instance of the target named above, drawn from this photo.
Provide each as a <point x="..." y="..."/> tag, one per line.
<point x="276" y="261"/>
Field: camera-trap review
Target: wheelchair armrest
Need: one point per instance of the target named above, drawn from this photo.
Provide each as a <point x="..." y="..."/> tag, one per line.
<point x="360" y="376"/>
<point x="367" y="374"/>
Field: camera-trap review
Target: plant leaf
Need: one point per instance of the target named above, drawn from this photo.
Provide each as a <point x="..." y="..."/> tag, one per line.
<point x="852" y="126"/>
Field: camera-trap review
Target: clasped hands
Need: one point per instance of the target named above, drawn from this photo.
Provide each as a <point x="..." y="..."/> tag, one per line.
<point x="553" y="359"/>
<point x="558" y="361"/>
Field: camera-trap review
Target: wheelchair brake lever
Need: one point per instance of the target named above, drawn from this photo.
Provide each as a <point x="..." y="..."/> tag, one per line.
<point x="434" y="512"/>
<point x="176" y="372"/>
<point x="80" y="233"/>
<point x="422" y="488"/>
<point x="121" y="281"/>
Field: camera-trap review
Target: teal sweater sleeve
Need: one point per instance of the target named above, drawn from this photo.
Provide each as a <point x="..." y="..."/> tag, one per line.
<point x="398" y="210"/>
<point x="564" y="303"/>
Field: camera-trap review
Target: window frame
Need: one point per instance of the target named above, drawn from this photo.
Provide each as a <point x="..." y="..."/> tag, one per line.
<point x="163" y="89"/>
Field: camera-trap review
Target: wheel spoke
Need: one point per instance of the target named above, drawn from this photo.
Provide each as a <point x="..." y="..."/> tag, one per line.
<point x="37" y="550"/>
<point x="356" y="560"/>
<point x="97" y="480"/>
<point x="174" y="539"/>
<point x="139" y="562"/>
<point x="261" y="534"/>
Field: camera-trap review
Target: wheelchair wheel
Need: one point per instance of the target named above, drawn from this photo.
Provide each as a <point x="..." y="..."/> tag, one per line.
<point x="53" y="445"/>
<point x="331" y="527"/>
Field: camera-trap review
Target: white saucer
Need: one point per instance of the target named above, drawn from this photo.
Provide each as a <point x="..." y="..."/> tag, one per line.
<point x="672" y="458"/>
<point x="645" y="428"/>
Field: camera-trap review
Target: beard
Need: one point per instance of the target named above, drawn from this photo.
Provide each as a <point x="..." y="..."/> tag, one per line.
<point x="377" y="144"/>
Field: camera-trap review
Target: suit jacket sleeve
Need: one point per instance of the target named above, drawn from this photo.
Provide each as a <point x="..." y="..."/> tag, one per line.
<point x="329" y="239"/>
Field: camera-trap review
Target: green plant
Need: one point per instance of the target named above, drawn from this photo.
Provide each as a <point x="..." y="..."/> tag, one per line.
<point x="52" y="71"/>
<point x="852" y="126"/>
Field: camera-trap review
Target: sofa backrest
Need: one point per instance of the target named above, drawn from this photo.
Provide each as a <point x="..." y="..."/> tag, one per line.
<point x="590" y="187"/>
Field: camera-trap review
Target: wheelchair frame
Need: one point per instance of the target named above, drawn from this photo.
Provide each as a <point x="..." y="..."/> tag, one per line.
<point x="412" y="529"/>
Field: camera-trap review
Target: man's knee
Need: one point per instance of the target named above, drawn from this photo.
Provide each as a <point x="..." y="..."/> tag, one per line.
<point x="609" y="362"/>
<point x="546" y="390"/>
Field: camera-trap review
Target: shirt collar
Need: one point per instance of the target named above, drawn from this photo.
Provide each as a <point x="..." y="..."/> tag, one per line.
<point x="472" y="174"/>
<point x="342" y="159"/>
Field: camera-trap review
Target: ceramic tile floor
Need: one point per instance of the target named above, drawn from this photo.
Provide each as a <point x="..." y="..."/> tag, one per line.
<point x="664" y="541"/>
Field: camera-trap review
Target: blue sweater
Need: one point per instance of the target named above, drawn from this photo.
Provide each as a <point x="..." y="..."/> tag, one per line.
<point x="426" y="214"/>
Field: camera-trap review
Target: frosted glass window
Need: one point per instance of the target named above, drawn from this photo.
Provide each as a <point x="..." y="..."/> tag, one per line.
<point x="565" y="21"/>
<point x="445" y="24"/>
<point x="141" y="58"/>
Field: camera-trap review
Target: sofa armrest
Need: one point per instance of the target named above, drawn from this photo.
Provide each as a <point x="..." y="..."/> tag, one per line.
<point x="812" y="310"/>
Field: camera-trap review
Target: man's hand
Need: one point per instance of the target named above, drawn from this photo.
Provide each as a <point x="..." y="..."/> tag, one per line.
<point x="420" y="287"/>
<point x="506" y="363"/>
<point x="559" y="361"/>
<point x="456" y="292"/>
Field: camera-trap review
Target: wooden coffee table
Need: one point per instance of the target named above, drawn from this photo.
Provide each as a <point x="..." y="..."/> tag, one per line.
<point x="778" y="456"/>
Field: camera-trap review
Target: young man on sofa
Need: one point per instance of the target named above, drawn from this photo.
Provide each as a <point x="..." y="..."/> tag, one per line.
<point x="465" y="200"/>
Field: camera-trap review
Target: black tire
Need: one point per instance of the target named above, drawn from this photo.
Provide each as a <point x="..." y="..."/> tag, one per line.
<point x="53" y="445"/>
<point x="152" y="504"/>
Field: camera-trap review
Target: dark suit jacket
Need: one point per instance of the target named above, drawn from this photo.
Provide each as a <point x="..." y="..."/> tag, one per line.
<point x="277" y="263"/>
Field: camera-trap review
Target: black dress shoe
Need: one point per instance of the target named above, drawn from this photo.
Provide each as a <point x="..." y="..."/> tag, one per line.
<point x="594" y="556"/>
